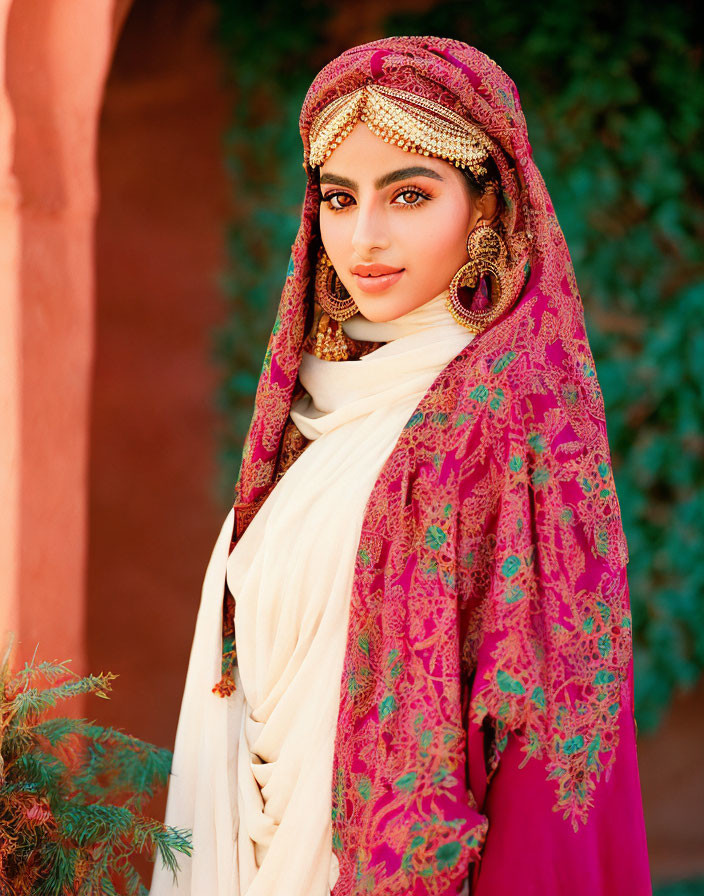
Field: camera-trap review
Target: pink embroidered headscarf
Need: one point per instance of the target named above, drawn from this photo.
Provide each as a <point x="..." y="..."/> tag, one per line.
<point x="467" y="81"/>
<point x="490" y="591"/>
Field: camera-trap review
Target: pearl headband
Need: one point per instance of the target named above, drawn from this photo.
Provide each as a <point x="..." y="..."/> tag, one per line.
<point x="414" y="123"/>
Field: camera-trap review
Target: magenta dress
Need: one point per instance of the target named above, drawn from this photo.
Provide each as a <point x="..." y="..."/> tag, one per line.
<point x="607" y="855"/>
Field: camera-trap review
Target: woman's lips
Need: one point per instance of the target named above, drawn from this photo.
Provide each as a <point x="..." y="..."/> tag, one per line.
<point x="378" y="283"/>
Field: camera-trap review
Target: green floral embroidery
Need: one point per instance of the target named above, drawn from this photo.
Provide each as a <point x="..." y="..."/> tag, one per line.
<point x="432" y="568"/>
<point x="448" y="854"/>
<point x="502" y="362"/>
<point x="364" y="557"/>
<point x="604" y="610"/>
<point x="407" y="781"/>
<point x="538" y="696"/>
<point x="364" y="787"/>
<point x="496" y="401"/>
<point x="573" y="744"/>
<point x="603" y="676"/>
<point x="540" y="476"/>
<point x="395" y="667"/>
<point x="537" y="442"/>
<point x="513" y="594"/>
<point x="510" y="566"/>
<point x="508" y="683"/>
<point x="570" y="394"/>
<point x="604" y="644"/>
<point x="387" y="706"/>
<point x="593" y="749"/>
<point x="435" y="537"/>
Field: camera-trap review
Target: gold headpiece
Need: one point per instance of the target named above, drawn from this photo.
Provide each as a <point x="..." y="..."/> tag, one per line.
<point x="412" y="122"/>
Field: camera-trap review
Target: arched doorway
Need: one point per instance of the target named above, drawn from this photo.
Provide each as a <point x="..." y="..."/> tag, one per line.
<point x="154" y="513"/>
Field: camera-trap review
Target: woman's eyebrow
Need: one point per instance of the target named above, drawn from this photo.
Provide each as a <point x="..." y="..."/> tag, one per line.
<point x="401" y="173"/>
<point x="385" y="179"/>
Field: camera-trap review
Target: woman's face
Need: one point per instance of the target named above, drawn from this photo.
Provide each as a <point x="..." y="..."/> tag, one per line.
<point x="408" y="214"/>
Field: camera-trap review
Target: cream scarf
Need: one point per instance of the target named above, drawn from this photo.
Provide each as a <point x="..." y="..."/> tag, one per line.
<point x="252" y="773"/>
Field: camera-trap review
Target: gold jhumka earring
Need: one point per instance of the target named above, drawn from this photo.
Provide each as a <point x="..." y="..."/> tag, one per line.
<point x="330" y="294"/>
<point x="331" y="343"/>
<point x="487" y="259"/>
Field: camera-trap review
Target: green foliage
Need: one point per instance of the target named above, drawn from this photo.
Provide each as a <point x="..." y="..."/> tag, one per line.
<point x="268" y="56"/>
<point x="71" y="792"/>
<point x="694" y="887"/>
<point x="613" y="96"/>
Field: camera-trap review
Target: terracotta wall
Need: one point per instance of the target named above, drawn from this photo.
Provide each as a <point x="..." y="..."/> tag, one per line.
<point x="55" y="59"/>
<point x="10" y="354"/>
<point x="159" y="244"/>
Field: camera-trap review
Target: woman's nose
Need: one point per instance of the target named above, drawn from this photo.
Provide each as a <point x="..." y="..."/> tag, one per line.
<point x="370" y="231"/>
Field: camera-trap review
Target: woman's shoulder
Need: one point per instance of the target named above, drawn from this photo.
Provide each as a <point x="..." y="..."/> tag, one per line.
<point x="504" y="381"/>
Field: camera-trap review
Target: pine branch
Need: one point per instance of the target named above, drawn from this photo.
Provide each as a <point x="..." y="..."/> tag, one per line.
<point x="71" y="791"/>
<point x="32" y="702"/>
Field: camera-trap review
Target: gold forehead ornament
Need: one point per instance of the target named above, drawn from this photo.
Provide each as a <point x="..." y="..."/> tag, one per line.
<point x="414" y="123"/>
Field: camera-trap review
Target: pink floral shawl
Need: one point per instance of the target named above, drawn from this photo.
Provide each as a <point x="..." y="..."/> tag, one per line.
<point x="486" y="728"/>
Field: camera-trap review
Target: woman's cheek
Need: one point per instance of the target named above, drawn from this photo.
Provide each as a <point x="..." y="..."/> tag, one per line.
<point x="336" y="240"/>
<point x="426" y="245"/>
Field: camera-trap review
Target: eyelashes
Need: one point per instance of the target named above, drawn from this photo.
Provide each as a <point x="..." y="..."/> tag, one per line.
<point x="329" y="198"/>
<point x="423" y="197"/>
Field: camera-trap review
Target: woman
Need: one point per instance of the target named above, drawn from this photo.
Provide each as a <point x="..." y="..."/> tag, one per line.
<point x="412" y="665"/>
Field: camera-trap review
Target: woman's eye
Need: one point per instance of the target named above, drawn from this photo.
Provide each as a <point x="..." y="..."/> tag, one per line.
<point x="337" y="196"/>
<point x="417" y="198"/>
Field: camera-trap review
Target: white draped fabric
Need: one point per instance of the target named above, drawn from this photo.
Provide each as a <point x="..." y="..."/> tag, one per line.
<point x="252" y="773"/>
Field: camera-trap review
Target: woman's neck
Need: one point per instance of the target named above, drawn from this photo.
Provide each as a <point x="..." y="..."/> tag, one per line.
<point x="430" y="314"/>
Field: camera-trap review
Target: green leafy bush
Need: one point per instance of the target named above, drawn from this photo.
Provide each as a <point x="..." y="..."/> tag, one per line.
<point x="694" y="887"/>
<point x="71" y="792"/>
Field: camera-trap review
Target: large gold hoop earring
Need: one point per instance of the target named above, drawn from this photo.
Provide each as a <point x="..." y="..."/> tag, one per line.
<point x="330" y="293"/>
<point x="487" y="259"/>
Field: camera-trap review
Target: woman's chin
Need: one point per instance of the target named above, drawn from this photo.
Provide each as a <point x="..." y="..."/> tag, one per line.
<point x="380" y="311"/>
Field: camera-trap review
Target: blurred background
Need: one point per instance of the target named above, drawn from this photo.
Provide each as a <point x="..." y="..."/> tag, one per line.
<point x="150" y="190"/>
